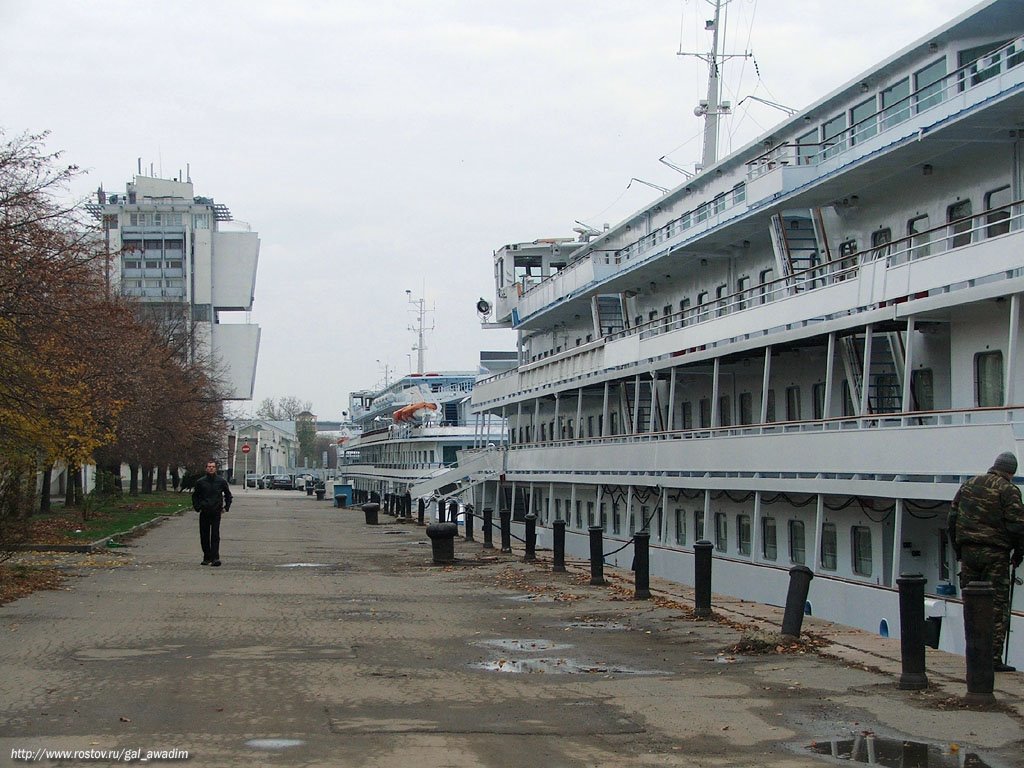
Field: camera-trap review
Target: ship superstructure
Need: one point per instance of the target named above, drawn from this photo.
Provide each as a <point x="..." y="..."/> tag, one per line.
<point x="799" y="353"/>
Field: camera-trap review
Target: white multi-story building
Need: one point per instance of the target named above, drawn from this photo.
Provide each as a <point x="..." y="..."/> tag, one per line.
<point x="165" y="247"/>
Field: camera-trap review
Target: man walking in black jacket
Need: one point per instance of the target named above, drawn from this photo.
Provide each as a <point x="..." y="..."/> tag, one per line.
<point x="211" y="498"/>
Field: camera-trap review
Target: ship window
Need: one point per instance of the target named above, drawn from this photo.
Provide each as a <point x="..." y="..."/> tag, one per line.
<point x="666" y="315"/>
<point x="988" y="378"/>
<point x="807" y="148"/>
<point x="613" y="423"/>
<point x="917" y="228"/>
<point x="652" y="315"/>
<point x="769" y="544"/>
<point x="848" y="409"/>
<point x="770" y="410"/>
<point x="793" y="403"/>
<point x="725" y="411"/>
<point x="818" y="399"/>
<point x="579" y="514"/>
<point x="861" y="539"/>
<point x="721" y="532"/>
<point x="764" y="278"/>
<point x="895" y="105"/>
<point x="929" y="86"/>
<point x="720" y="298"/>
<point x="743" y="534"/>
<point x="702" y="305"/>
<point x="684" y="310"/>
<point x="880" y="240"/>
<point x="698" y="524"/>
<point x="739" y="193"/>
<point x="604" y="516"/>
<point x="984" y="66"/>
<point x="863" y="121"/>
<point x="797" y="552"/>
<point x="660" y="513"/>
<point x="828" y="546"/>
<point x="705" y="413"/>
<point x="832" y="134"/>
<point x="922" y="390"/>
<point x="958" y="216"/>
<point x="680" y="526"/>
<point x="746" y="408"/>
<point x="687" y="412"/>
<point x="742" y="288"/>
<point x="590" y="426"/>
<point x="719" y="203"/>
<point x="998" y="217"/>
<point x="590" y="514"/>
<point x="702" y="212"/>
<point x="558" y="509"/>
<point x="616" y="517"/>
<point x="632" y="519"/>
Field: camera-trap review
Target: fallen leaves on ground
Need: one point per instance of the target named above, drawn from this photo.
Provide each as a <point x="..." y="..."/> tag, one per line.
<point x="20" y="580"/>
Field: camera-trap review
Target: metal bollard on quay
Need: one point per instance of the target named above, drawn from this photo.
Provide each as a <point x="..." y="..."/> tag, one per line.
<point x="702" y="578"/>
<point x="506" y="530"/>
<point x="558" y="535"/>
<point x="442" y="542"/>
<point x="979" y="620"/>
<point x="796" y="598"/>
<point x="531" y="539"/>
<point x="488" y="526"/>
<point x="370" y="512"/>
<point x="421" y="511"/>
<point x="641" y="565"/>
<point x="597" y="556"/>
<point x="912" y="654"/>
<point x="469" y="522"/>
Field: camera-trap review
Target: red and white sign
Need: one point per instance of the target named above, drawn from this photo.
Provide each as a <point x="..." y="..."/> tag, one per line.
<point x="246" y="448"/>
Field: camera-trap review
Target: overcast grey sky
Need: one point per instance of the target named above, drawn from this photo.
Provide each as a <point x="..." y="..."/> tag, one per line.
<point x="391" y="145"/>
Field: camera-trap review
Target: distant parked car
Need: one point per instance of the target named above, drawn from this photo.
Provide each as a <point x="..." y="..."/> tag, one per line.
<point x="264" y="481"/>
<point x="281" y="482"/>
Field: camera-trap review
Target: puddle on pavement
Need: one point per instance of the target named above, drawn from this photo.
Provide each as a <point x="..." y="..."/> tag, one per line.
<point x="606" y="625"/>
<point x="532" y="598"/>
<point x="304" y="565"/>
<point x="514" y="644"/>
<point x="557" y="666"/>
<point x="897" y="753"/>
<point x="394" y="533"/>
<point x="274" y="743"/>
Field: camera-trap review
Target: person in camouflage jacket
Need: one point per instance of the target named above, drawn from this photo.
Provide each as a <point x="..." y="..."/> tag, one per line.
<point x="986" y="528"/>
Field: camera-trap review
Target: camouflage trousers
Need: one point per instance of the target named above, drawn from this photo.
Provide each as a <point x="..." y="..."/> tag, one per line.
<point x="990" y="564"/>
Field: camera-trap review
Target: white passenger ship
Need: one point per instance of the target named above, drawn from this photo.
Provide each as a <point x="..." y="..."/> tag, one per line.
<point x="798" y="354"/>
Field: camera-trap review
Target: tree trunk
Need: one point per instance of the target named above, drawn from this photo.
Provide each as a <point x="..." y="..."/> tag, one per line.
<point x="133" y="487"/>
<point x="44" y="494"/>
<point x="161" y="478"/>
<point x="69" y="489"/>
<point x="77" y="486"/>
<point x="147" y="478"/>
<point x="175" y="477"/>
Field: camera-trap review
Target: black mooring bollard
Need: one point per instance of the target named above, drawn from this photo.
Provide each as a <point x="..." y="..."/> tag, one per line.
<point x="506" y="530"/>
<point x="488" y="525"/>
<point x="702" y="578"/>
<point x="531" y="538"/>
<point x="442" y="542"/>
<point x="642" y="565"/>
<point x="558" y="534"/>
<point x="453" y="511"/>
<point x="469" y="522"/>
<point x="370" y="511"/>
<point x="596" y="556"/>
<point x="913" y="676"/>
<point x="421" y="511"/>
<point x="796" y="598"/>
<point x="979" y="617"/>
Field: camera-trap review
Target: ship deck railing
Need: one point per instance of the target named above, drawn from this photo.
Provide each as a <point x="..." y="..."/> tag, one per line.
<point x="793" y="154"/>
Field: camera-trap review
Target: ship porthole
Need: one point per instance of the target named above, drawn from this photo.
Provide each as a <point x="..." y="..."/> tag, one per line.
<point x="883" y="628"/>
<point x="807" y="608"/>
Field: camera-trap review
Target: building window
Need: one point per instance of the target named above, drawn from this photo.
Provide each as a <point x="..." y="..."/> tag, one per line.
<point x="680" y="526"/>
<point x="988" y="378"/>
<point x="863" y="121"/>
<point x="828" y="546"/>
<point x="958" y="216"/>
<point x="917" y="229"/>
<point x="769" y="544"/>
<point x="793" y="403"/>
<point x="797" y="551"/>
<point x="997" y="218"/>
<point x="721" y="532"/>
<point x="743" y="534"/>
<point x="861" y="541"/>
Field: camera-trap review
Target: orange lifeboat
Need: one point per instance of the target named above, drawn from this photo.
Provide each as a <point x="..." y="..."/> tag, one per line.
<point x="414" y="412"/>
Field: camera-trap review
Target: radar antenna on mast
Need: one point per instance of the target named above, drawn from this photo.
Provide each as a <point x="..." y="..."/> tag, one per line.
<point x="419" y="328"/>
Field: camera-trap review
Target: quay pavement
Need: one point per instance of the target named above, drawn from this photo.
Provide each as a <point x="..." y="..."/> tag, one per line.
<point x="323" y="641"/>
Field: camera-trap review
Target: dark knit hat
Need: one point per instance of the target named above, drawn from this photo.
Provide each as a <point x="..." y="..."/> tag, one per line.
<point x="1005" y="462"/>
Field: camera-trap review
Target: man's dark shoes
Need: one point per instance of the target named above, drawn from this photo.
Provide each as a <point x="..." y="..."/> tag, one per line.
<point x="206" y="562"/>
<point x="1001" y="667"/>
<point x="215" y="563"/>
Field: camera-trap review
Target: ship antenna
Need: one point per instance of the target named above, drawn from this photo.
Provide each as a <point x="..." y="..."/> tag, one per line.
<point x="419" y="328"/>
<point x="712" y="107"/>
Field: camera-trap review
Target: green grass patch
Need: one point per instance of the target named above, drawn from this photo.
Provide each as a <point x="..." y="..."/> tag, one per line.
<point x="108" y="517"/>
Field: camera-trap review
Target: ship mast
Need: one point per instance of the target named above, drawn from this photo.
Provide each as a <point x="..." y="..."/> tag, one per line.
<point x="419" y="328"/>
<point x="712" y="107"/>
